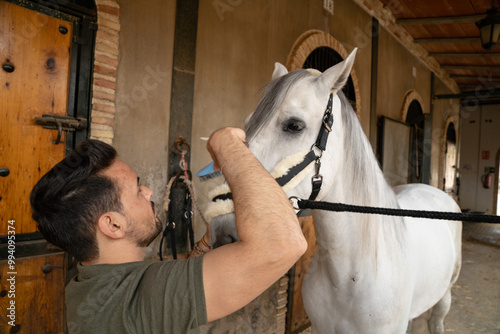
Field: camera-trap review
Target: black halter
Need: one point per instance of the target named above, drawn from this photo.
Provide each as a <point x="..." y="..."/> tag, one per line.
<point x="317" y="179"/>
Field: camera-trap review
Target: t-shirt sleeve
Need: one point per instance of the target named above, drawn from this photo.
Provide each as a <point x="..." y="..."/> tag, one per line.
<point x="170" y="298"/>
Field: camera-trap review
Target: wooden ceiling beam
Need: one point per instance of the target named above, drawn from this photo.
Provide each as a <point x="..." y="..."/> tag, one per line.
<point x="471" y="67"/>
<point x="469" y="87"/>
<point x="479" y="94"/>
<point x="440" y="20"/>
<point x="464" y="54"/>
<point x="473" y="77"/>
<point x="454" y="40"/>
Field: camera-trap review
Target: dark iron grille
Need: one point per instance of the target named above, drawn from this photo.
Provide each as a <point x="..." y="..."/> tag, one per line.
<point x="323" y="58"/>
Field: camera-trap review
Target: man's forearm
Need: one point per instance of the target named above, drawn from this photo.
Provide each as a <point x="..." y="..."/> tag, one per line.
<point x="270" y="237"/>
<point x="263" y="212"/>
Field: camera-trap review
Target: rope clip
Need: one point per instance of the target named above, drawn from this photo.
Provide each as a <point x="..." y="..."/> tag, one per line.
<point x="294" y="200"/>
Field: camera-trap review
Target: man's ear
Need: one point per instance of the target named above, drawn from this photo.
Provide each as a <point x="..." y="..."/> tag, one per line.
<point x="112" y="224"/>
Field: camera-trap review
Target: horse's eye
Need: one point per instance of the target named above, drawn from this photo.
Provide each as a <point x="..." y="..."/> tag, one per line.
<point x="293" y="126"/>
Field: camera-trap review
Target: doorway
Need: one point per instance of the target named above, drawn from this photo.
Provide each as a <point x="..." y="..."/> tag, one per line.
<point x="450" y="158"/>
<point x="415" y="118"/>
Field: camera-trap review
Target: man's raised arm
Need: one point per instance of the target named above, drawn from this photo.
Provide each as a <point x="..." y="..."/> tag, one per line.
<point x="271" y="240"/>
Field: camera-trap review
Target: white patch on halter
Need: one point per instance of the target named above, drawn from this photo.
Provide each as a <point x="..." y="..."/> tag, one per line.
<point x="222" y="207"/>
<point x="284" y="166"/>
<point x="218" y="207"/>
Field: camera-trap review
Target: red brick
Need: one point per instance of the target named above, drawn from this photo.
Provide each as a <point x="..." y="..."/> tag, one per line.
<point x="103" y="120"/>
<point x="106" y="48"/>
<point x="103" y="107"/>
<point x="104" y="83"/>
<point x="106" y="60"/>
<point x="108" y="9"/>
<point x="107" y="36"/>
<point x="104" y="96"/>
<point x="105" y="70"/>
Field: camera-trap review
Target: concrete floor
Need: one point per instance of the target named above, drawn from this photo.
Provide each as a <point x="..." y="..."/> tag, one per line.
<point x="475" y="304"/>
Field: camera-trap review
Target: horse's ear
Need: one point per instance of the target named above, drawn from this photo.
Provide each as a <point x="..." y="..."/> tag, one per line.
<point x="279" y="70"/>
<point x="336" y="76"/>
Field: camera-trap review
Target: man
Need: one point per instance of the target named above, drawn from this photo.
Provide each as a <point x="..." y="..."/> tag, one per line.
<point x="92" y="205"/>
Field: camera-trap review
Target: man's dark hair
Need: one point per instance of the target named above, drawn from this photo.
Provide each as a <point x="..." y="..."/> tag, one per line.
<point x="68" y="201"/>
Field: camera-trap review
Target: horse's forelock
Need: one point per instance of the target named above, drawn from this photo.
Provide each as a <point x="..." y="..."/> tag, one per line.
<point x="273" y="95"/>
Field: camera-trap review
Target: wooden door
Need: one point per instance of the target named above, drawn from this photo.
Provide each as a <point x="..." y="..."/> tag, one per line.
<point x="32" y="294"/>
<point x="35" y="56"/>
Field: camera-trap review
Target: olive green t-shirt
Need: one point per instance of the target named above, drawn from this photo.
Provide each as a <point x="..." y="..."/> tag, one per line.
<point x="137" y="297"/>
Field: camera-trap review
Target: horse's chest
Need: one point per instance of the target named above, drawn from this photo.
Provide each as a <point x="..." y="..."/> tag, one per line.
<point x="336" y="278"/>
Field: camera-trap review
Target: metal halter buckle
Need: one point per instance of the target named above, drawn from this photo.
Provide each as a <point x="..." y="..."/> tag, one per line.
<point x="325" y="118"/>
<point x="294" y="200"/>
<point x="318" y="167"/>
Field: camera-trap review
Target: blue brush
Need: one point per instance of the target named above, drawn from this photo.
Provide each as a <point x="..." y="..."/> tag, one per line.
<point x="208" y="173"/>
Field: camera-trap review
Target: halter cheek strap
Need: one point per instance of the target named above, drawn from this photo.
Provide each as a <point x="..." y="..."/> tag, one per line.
<point x="324" y="131"/>
<point x="326" y="126"/>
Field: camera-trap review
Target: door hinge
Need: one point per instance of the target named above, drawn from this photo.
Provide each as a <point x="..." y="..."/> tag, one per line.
<point x="61" y="123"/>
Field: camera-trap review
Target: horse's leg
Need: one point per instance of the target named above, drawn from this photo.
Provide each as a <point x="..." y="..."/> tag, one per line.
<point x="439" y="311"/>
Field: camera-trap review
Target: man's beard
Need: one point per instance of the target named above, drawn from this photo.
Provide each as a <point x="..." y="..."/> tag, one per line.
<point x="146" y="240"/>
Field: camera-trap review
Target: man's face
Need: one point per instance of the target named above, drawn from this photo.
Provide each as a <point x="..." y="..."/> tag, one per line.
<point x="138" y="209"/>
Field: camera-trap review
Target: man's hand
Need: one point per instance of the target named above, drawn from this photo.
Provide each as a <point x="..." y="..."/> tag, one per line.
<point x="222" y="139"/>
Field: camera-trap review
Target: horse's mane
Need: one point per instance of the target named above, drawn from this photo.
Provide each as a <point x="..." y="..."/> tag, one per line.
<point x="362" y="163"/>
<point x="273" y="94"/>
<point x="365" y="182"/>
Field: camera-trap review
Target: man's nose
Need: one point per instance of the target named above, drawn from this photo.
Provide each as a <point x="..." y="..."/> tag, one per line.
<point x="148" y="193"/>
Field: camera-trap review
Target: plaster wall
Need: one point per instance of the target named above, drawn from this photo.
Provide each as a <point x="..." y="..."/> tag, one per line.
<point x="143" y="90"/>
<point x="399" y="72"/>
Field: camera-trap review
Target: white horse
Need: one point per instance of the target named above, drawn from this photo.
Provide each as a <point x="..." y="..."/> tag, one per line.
<point x="369" y="273"/>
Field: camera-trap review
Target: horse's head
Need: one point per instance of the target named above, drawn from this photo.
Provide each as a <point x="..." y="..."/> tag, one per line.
<point x="285" y="126"/>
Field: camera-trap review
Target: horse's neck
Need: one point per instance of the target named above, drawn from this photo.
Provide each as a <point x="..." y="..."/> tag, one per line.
<point x="360" y="182"/>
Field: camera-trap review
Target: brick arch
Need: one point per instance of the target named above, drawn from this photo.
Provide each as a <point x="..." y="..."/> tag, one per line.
<point x="410" y="96"/>
<point x="311" y="40"/>
<point x="105" y="67"/>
